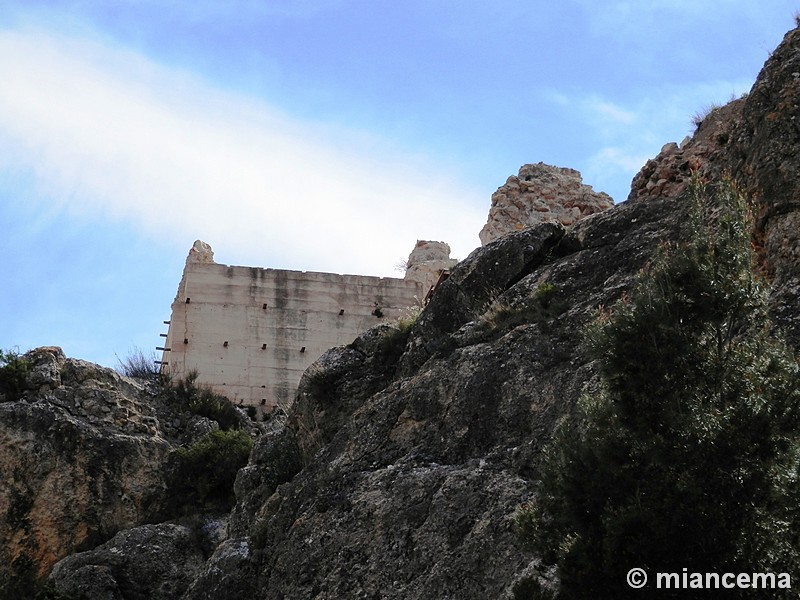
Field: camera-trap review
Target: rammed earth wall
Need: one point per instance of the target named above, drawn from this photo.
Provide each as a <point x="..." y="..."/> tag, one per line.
<point x="251" y="332"/>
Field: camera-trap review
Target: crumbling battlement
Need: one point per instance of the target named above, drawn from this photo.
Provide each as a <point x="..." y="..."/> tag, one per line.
<point x="251" y="332"/>
<point x="541" y="193"/>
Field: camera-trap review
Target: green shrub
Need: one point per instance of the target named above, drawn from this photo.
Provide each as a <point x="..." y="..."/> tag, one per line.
<point x="409" y="318"/>
<point x="544" y="294"/>
<point x="501" y="316"/>
<point x="203" y="473"/>
<point x="14" y="370"/>
<point x="688" y="457"/>
<point x="201" y="400"/>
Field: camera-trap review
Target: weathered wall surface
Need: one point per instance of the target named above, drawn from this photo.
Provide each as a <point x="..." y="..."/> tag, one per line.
<point x="541" y="193"/>
<point x="427" y="261"/>
<point x="251" y="332"/>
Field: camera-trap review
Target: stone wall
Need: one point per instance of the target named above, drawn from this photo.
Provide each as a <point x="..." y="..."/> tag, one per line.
<point x="251" y="332"/>
<point x="541" y="194"/>
<point x="427" y="261"/>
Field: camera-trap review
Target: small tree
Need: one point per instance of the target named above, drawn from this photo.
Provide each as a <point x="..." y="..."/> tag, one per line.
<point x="688" y="458"/>
<point x="14" y="369"/>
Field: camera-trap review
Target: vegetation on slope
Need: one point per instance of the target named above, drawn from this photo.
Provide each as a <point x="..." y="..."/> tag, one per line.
<point x="13" y="371"/>
<point x="688" y="458"/>
<point x="204" y="472"/>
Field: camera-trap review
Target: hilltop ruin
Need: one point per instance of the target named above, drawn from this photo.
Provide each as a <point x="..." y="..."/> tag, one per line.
<point x="251" y="332"/>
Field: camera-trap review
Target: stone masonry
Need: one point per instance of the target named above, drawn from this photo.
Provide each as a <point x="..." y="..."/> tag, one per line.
<point x="541" y="194"/>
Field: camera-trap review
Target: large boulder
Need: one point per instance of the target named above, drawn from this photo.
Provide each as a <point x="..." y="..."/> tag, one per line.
<point x="152" y="562"/>
<point x="416" y="473"/>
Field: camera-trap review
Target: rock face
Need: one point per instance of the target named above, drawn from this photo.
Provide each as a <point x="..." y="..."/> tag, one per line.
<point x="80" y="459"/>
<point x="157" y="562"/>
<point x="410" y="474"/>
<point x="84" y="454"/>
<point x="755" y="141"/>
<point x="541" y="194"/>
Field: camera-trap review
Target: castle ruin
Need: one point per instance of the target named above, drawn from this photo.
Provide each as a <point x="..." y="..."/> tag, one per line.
<point x="251" y="332"/>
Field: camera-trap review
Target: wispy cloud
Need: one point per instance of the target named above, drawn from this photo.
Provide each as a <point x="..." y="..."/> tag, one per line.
<point x="108" y="132"/>
<point x="592" y="106"/>
<point x="628" y="132"/>
<point x="608" y="111"/>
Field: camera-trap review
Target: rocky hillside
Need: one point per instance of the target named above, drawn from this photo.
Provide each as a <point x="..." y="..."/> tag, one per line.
<point x="84" y="454"/>
<point x="406" y="454"/>
<point x="79" y="458"/>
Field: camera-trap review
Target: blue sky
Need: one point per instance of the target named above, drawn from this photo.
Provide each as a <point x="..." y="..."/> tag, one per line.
<point x="323" y="135"/>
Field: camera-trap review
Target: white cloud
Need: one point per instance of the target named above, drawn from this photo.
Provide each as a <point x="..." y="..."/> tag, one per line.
<point x="108" y="132"/>
<point x="608" y="111"/>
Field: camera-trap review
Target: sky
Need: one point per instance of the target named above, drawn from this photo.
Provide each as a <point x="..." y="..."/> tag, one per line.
<point x="317" y="135"/>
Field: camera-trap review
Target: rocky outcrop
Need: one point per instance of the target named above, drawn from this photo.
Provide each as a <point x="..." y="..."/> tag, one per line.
<point x="407" y="453"/>
<point x="157" y="562"/>
<point x="80" y="459"/>
<point x="84" y="454"/>
<point x="408" y="478"/>
<point x="754" y="140"/>
<point x="668" y="174"/>
<point x="541" y="194"/>
<point x="409" y="487"/>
